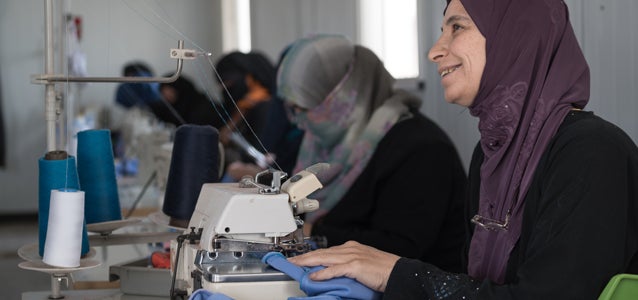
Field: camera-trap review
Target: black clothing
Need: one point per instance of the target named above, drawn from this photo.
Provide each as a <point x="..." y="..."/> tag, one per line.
<point x="195" y="111"/>
<point x="254" y="125"/>
<point x="190" y="106"/>
<point x="408" y="199"/>
<point x="234" y="70"/>
<point x="579" y="225"/>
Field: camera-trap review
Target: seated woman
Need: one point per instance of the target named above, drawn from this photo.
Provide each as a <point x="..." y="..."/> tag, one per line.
<point x="396" y="181"/>
<point x="553" y="189"/>
<point x="142" y="95"/>
<point x="247" y="84"/>
<point x="185" y="104"/>
<point x="280" y="138"/>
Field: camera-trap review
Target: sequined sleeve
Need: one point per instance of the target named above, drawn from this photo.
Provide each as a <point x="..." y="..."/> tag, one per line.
<point x="414" y="279"/>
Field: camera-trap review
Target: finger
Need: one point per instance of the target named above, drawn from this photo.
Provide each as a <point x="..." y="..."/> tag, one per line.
<point x="312" y="258"/>
<point x="351" y="244"/>
<point x="331" y="256"/>
<point x="330" y="272"/>
<point x="321" y="257"/>
<point x="370" y="279"/>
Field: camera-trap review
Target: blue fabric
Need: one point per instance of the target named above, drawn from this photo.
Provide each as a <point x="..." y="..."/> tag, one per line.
<point x="341" y="288"/>
<point x="202" y="294"/>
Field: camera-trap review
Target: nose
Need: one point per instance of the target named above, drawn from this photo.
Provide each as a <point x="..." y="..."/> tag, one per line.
<point x="438" y="50"/>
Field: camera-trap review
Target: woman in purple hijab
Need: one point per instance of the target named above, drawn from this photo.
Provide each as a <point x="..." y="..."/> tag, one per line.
<point x="553" y="188"/>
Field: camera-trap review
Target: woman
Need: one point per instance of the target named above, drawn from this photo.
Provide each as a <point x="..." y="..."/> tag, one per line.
<point x="553" y="188"/>
<point x="185" y="104"/>
<point x="247" y="83"/>
<point x="137" y="94"/>
<point x="387" y="187"/>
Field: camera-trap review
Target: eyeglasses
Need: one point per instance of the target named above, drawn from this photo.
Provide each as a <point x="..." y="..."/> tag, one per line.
<point x="492" y="224"/>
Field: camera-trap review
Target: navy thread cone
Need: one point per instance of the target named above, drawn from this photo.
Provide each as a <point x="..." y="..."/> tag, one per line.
<point x="194" y="161"/>
<point x="55" y="174"/>
<point x="96" y="170"/>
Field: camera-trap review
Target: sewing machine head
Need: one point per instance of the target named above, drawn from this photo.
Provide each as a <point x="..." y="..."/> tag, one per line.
<point x="236" y="224"/>
<point x="252" y="212"/>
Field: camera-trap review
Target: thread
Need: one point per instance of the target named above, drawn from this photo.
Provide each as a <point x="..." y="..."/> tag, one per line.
<point x="56" y="170"/>
<point x="96" y="171"/>
<point x="194" y="161"/>
<point x="64" y="235"/>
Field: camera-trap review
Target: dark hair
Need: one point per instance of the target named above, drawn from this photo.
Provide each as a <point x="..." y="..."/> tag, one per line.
<point x="136" y="68"/>
<point x="253" y="63"/>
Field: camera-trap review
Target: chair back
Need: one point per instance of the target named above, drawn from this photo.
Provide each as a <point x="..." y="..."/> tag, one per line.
<point x="621" y="287"/>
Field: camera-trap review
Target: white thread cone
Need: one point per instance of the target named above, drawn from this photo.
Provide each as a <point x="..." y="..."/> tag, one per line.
<point x="63" y="244"/>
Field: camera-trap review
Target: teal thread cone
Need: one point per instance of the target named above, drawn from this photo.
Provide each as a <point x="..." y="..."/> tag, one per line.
<point x="96" y="171"/>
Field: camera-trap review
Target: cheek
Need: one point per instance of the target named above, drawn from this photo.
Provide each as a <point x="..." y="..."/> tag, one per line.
<point x="475" y="79"/>
<point x="476" y="60"/>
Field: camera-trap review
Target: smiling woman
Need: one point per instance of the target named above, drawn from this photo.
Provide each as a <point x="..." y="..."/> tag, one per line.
<point x="460" y="56"/>
<point x="543" y="169"/>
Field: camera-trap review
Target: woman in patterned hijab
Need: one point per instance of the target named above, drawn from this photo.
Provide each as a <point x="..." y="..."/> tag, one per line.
<point x="395" y="177"/>
<point x="344" y="102"/>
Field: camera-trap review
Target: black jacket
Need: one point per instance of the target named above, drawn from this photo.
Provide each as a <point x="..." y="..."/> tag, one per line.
<point x="408" y="199"/>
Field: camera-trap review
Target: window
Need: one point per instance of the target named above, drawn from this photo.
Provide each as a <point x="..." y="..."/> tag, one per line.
<point x="389" y="28"/>
<point x="236" y="25"/>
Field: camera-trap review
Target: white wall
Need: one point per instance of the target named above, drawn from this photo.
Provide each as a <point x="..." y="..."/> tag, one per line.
<point x="610" y="41"/>
<point x="113" y="34"/>
<point x="120" y="31"/>
<point x="21" y="54"/>
<point x="277" y="23"/>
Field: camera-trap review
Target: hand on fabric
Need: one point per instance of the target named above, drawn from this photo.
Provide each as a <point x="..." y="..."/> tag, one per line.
<point x="333" y="289"/>
<point x="367" y="265"/>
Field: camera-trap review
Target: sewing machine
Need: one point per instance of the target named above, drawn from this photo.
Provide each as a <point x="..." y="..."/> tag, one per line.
<point x="234" y="225"/>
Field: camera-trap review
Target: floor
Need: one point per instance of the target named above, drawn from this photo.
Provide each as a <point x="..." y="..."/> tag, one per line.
<point x="22" y="230"/>
<point x="15" y="232"/>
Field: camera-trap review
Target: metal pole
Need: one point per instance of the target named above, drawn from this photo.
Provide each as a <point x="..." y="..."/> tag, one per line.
<point x="50" y="107"/>
<point x="175" y="53"/>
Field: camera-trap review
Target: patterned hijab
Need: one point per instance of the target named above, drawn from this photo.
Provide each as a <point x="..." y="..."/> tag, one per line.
<point x="534" y="75"/>
<point x="345" y="104"/>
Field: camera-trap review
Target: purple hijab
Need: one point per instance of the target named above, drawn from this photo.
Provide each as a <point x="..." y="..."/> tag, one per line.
<point x="534" y="75"/>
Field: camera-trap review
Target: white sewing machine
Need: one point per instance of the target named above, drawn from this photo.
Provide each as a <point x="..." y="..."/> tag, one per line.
<point x="234" y="225"/>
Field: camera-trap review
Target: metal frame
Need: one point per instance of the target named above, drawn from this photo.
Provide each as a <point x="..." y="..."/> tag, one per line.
<point x="52" y="110"/>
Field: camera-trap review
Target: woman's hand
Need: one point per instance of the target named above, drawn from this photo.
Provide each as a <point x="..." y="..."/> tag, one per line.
<point x="369" y="266"/>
